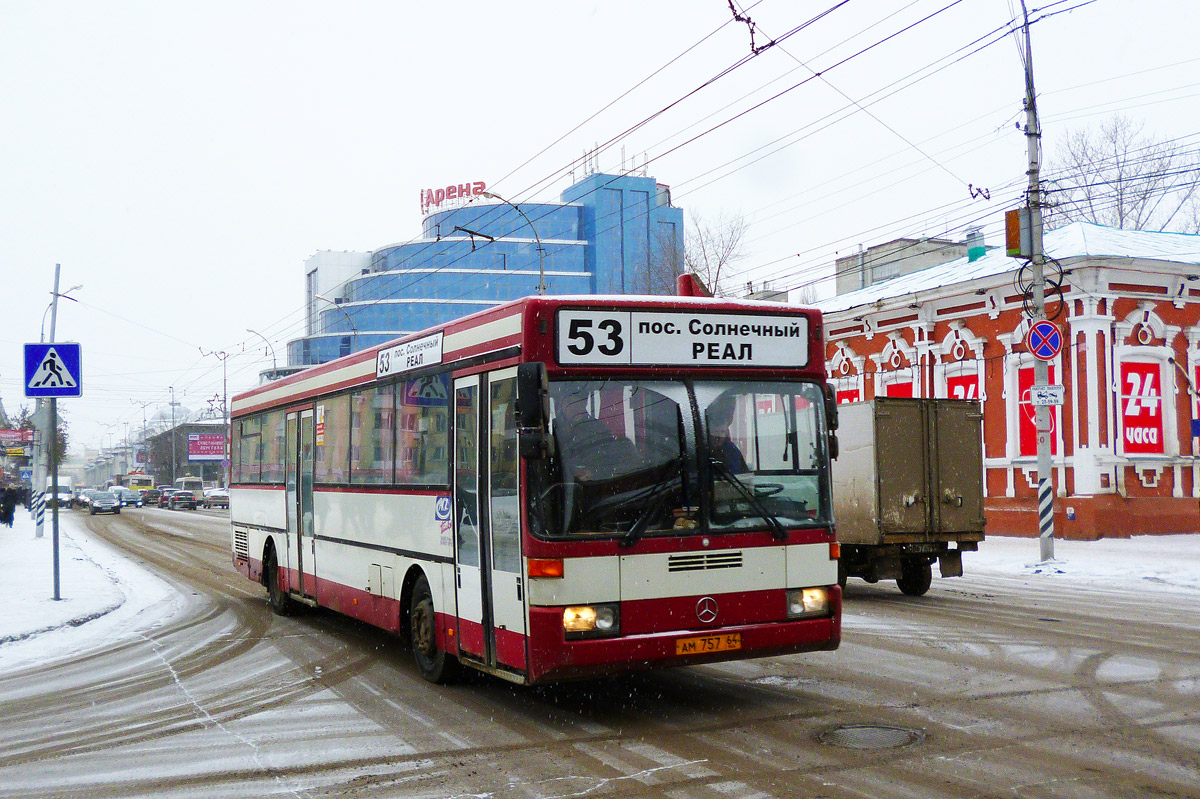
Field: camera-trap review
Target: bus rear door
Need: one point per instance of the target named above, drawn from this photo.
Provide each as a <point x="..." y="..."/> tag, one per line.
<point x="489" y="589"/>
<point x="301" y="544"/>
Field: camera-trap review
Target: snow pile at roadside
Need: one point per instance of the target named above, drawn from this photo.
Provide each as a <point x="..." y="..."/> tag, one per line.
<point x="1169" y="562"/>
<point x="102" y="594"/>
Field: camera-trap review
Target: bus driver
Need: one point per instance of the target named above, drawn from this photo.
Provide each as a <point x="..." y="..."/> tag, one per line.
<point x="720" y="445"/>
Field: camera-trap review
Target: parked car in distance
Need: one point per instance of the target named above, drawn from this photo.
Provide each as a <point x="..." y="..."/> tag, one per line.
<point x="129" y="498"/>
<point x="216" y="498"/>
<point x="150" y="496"/>
<point x="181" y="499"/>
<point x="164" y="497"/>
<point x="104" y="502"/>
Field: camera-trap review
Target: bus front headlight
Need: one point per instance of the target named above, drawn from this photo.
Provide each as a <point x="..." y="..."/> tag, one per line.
<point x="591" y="621"/>
<point x="807" y="602"/>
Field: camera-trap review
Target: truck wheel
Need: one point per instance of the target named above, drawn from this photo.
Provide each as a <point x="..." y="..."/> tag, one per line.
<point x="842" y="576"/>
<point x="915" y="577"/>
<point x="433" y="663"/>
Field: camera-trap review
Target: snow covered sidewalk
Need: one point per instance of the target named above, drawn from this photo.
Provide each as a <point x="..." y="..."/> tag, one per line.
<point x="1143" y="562"/>
<point x="102" y="594"/>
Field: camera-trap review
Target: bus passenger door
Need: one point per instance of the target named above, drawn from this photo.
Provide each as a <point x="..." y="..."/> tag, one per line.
<point x="299" y="498"/>
<point x="490" y="592"/>
<point x="502" y="561"/>
<point x="468" y="580"/>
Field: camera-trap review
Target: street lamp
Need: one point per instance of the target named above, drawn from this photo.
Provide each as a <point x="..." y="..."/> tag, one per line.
<point x="541" y="286"/>
<point x="274" y="363"/>
<point x="353" y="329"/>
<point x="52" y="304"/>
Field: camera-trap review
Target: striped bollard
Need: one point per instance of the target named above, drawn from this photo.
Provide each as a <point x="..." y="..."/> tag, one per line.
<point x="1046" y="518"/>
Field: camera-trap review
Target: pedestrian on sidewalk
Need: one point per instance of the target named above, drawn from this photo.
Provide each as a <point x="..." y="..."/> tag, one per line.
<point x="8" y="505"/>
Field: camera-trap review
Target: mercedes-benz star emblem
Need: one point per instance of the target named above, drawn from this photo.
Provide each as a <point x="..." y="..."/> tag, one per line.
<point x="706" y="610"/>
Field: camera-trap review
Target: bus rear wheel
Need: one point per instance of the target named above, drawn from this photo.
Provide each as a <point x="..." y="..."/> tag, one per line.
<point x="281" y="603"/>
<point x="915" y="577"/>
<point x="433" y="663"/>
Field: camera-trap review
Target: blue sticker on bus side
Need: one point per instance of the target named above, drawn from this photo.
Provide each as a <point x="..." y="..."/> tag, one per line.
<point x="441" y="510"/>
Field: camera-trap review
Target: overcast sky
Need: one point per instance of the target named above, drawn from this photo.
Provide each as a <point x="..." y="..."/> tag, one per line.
<point x="182" y="160"/>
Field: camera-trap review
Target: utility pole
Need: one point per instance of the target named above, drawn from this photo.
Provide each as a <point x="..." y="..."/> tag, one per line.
<point x="1041" y="367"/>
<point x="172" y="435"/>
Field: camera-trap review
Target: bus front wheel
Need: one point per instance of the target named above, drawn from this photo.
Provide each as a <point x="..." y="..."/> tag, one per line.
<point x="433" y="663"/>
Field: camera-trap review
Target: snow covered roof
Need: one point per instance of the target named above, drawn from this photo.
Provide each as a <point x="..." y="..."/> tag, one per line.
<point x="1079" y="239"/>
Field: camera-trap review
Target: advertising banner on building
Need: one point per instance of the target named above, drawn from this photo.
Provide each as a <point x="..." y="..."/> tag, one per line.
<point x="12" y="438"/>
<point x="964" y="387"/>
<point x="1027" y="414"/>
<point x="206" y="446"/>
<point x="1141" y="408"/>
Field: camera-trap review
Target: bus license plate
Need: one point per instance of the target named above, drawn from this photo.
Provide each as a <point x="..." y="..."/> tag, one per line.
<point x="708" y="643"/>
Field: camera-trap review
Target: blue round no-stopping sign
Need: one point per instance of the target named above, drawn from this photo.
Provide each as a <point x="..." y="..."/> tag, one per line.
<point x="1044" y="340"/>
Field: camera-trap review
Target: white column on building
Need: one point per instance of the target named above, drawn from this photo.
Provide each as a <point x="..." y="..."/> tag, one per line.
<point x="1089" y="460"/>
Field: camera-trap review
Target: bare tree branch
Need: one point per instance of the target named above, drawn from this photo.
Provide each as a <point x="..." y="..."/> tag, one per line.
<point x="1118" y="177"/>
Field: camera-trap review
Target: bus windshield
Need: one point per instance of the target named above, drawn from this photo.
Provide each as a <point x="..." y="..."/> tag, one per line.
<point x="644" y="457"/>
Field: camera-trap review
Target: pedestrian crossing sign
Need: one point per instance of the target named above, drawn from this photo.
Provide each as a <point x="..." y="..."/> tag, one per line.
<point x="53" y="370"/>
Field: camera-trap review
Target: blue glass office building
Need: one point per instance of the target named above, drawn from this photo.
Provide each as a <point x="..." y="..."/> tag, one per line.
<point x="610" y="234"/>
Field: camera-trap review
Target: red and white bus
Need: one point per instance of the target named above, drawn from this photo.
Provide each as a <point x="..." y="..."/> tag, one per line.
<point x="555" y="488"/>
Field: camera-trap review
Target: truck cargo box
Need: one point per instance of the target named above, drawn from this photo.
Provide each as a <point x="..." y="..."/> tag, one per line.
<point x="908" y="482"/>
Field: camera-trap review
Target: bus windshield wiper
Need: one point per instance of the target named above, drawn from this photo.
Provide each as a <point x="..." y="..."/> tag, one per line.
<point x="653" y="498"/>
<point x="777" y="531"/>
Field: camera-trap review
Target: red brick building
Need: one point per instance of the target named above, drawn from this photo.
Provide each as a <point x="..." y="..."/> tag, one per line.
<point x="1124" y="453"/>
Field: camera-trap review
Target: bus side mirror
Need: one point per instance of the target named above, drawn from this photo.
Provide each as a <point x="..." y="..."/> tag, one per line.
<point x="831" y="421"/>
<point x="533" y="408"/>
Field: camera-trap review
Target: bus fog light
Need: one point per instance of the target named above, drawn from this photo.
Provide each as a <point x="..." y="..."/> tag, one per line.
<point x="606" y="619"/>
<point x="591" y="621"/>
<point x="804" y="602"/>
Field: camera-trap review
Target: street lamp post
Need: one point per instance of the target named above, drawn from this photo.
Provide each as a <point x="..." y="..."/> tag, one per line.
<point x="145" y="455"/>
<point x="353" y="329"/>
<point x="44" y="443"/>
<point x="274" y="363"/>
<point x="223" y="356"/>
<point x="541" y="286"/>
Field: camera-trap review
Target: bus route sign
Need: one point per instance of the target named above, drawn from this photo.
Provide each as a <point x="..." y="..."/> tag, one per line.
<point x="680" y="338"/>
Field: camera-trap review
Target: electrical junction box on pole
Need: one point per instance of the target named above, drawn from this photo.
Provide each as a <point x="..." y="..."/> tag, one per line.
<point x="1018" y="234"/>
<point x="53" y="370"/>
